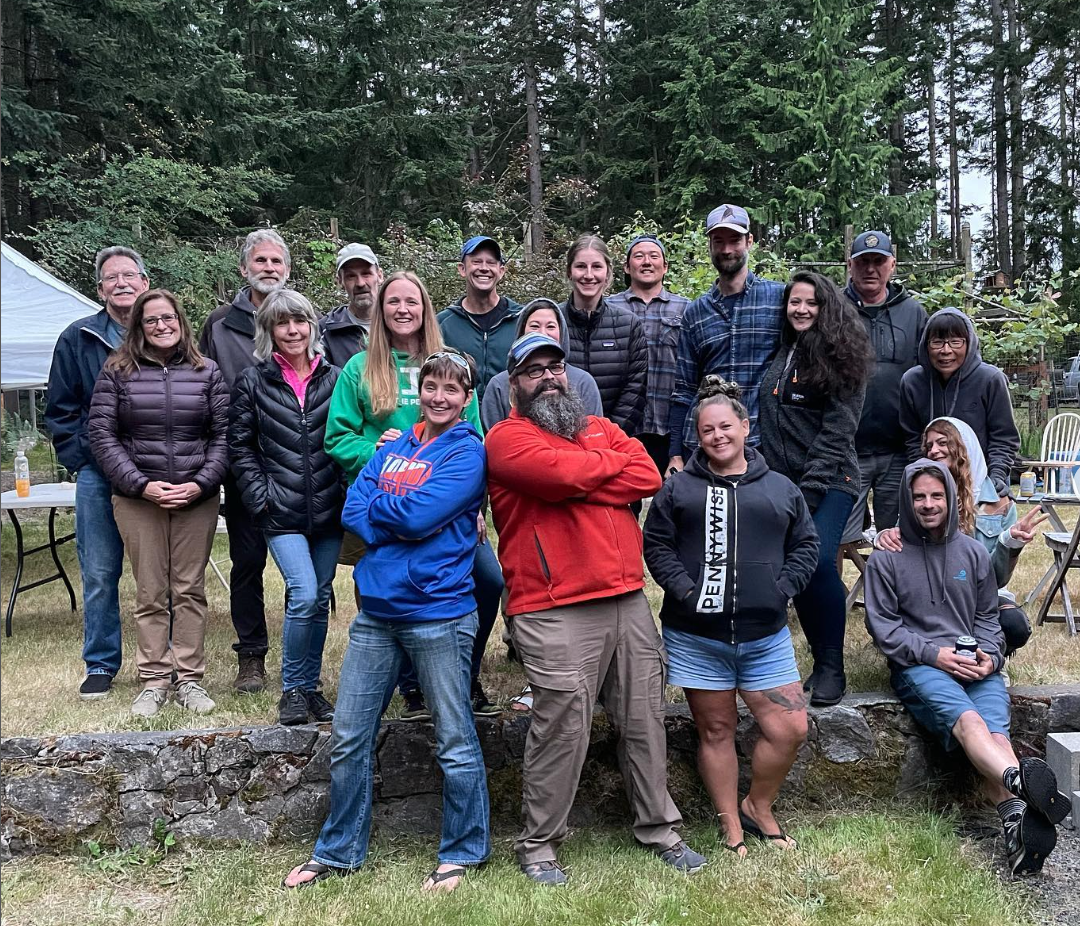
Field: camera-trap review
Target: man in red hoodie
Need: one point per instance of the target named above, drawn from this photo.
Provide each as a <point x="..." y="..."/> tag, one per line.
<point x="561" y="483"/>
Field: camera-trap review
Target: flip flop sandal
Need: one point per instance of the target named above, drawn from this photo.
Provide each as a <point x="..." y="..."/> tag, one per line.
<point x="751" y="828"/>
<point x="437" y="877"/>
<point x="522" y="702"/>
<point x="321" y="872"/>
<point x="1038" y="786"/>
<point x="735" y="848"/>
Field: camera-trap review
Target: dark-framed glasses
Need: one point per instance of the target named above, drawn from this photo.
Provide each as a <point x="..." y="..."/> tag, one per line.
<point x="942" y="343"/>
<point x="152" y="321"/>
<point x="537" y="370"/>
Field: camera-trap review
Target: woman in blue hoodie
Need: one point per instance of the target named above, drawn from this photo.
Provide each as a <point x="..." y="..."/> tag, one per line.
<point x="415" y="506"/>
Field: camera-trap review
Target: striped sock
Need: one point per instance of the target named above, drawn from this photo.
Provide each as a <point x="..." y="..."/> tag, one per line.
<point x="1010" y="809"/>
<point x="1010" y="778"/>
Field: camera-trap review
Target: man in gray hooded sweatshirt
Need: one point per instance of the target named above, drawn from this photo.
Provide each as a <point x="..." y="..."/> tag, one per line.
<point x="919" y="602"/>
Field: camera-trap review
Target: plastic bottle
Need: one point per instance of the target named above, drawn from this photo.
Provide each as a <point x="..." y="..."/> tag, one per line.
<point x="22" y="474"/>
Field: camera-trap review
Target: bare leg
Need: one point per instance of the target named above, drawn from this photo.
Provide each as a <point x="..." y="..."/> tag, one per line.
<point x="716" y="716"/>
<point x="990" y="753"/>
<point x="781" y="714"/>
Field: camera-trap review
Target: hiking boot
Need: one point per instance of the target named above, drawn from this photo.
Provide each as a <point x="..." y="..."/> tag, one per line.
<point x="415" y="709"/>
<point x="321" y="709"/>
<point x="481" y="706"/>
<point x="549" y="873"/>
<point x="149" y="701"/>
<point x="682" y="858"/>
<point x="251" y="676"/>
<point x="293" y="708"/>
<point x="193" y="697"/>
<point x="95" y="687"/>
<point x="830" y="683"/>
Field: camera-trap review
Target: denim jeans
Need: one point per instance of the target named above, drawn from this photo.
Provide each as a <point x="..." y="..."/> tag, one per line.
<point x="488" y="579"/>
<point x="308" y="564"/>
<point x="441" y="652"/>
<point x="101" y="561"/>
<point x="822" y="605"/>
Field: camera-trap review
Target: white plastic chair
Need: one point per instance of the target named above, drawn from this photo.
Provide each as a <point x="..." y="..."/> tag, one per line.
<point x="1061" y="443"/>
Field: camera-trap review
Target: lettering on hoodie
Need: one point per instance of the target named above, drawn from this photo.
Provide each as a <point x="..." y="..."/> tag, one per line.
<point x="400" y="475"/>
<point x="714" y="583"/>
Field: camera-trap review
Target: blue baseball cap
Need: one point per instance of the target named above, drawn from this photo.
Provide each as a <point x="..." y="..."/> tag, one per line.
<point x="527" y="345"/>
<point x="479" y="241"/>
<point x="872" y="242"/>
<point x="728" y="216"/>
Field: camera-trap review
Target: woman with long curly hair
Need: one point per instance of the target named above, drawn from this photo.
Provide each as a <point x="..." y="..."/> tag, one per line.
<point x="811" y="400"/>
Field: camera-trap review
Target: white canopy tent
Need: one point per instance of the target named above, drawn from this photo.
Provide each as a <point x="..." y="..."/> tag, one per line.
<point x="34" y="307"/>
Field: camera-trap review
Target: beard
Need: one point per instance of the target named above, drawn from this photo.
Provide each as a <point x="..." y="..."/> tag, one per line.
<point x="729" y="266"/>
<point x="361" y="304"/>
<point x="265" y="287"/>
<point x="559" y="411"/>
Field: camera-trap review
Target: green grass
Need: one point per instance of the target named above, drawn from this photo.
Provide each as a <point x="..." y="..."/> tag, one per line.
<point x="870" y="869"/>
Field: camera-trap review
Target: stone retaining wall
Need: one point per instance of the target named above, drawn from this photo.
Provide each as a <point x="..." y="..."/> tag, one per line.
<point x="271" y="783"/>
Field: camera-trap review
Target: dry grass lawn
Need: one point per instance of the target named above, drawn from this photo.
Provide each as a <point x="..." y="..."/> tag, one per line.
<point x="42" y="665"/>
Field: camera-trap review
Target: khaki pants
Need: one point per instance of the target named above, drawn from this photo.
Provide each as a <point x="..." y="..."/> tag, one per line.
<point x="352" y="549"/>
<point x="168" y="550"/>
<point x="606" y="649"/>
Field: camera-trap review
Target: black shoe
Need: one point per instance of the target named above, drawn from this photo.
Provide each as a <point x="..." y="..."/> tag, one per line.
<point x="1029" y="839"/>
<point x="1038" y="786"/>
<point x="293" y="708"/>
<point x="415" y="709"/>
<point x="95" y="687"/>
<point x="830" y="683"/>
<point x="481" y="706"/>
<point x="321" y="709"/>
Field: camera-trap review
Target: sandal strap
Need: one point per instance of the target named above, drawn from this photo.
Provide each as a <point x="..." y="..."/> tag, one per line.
<point x="437" y="877"/>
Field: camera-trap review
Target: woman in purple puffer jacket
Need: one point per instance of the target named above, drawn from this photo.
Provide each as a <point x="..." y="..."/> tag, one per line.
<point x="157" y="427"/>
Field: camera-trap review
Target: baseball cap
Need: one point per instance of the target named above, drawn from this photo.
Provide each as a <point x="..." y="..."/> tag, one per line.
<point x="355" y="251"/>
<point x="478" y="241"/>
<point x="871" y="242"/>
<point x="652" y="239"/>
<point x="728" y="216"/>
<point x="527" y="345"/>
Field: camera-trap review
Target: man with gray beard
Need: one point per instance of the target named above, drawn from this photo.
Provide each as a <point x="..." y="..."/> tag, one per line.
<point x="561" y="484"/>
<point x="228" y="338"/>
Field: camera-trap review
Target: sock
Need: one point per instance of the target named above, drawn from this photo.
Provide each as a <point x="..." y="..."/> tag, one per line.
<point x="1010" y="778"/>
<point x="1010" y="809"/>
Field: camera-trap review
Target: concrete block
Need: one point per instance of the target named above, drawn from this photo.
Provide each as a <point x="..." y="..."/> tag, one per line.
<point x="1063" y="756"/>
<point x="1074" y="820"/>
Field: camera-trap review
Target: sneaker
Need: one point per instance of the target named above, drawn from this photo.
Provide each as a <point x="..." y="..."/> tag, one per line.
<point x="549" y="873"/>
<point x="95" y="687"/>
<point x="1029" y="839"/>
<point x="481" y="706"/>
<point x="193" y="697"/>
<point x="149" y="701"/>
<point x="415" y="709"/>
<point x="321" y="709"/>
<point x="251" y="676"/>
<point x="293" y="708"/>
<point x="682" y="858"/>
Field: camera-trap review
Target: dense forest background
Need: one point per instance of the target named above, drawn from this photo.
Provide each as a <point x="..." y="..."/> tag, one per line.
<point x="175" y="125"/>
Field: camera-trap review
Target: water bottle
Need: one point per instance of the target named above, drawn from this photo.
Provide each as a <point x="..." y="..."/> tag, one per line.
<point x="22" y="474"/>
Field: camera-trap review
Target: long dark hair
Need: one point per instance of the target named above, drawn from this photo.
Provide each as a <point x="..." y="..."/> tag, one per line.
<point x="834" y="355"/>
<point x="133" y="352"/>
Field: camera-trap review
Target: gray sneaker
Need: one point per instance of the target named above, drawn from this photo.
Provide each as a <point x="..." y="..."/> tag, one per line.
<point x="682" y="858"/>
<point x="546" y="872"/>
<point x="193" y="697"/>
<point x="149" y="702"/>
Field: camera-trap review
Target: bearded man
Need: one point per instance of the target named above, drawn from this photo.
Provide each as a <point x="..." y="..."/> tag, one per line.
<point x="345" y="329"/>
<point x="561" y="484"/>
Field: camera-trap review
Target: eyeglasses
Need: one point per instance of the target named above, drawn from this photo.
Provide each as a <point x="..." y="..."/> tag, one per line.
<point x="537" y="370"/>
<point x="456" y="359"/>
<point x="940" y="343"/>
<point x="154" y="320"/>
<point x="128" y="276"/>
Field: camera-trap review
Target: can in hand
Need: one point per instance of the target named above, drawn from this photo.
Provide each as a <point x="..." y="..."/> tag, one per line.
<point x="966" y="647"/>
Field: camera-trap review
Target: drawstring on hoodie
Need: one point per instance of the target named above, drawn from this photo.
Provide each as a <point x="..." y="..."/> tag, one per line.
<point x="944" y="570"/>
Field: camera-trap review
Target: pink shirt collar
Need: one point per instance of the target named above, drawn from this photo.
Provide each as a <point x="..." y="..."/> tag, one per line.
<point x="296" y="382"/>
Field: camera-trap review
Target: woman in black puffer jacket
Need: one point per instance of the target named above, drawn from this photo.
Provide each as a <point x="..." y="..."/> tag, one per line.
<point x="606" y="341"/>
<point x="157" y="427"/>
<point x="291" y="486"/>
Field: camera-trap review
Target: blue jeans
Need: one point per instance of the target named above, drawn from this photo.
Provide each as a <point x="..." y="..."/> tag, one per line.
<point x="488" y="579"/>
<point x="936" y="700"/>
<point x="822" y="605"/>
<point x="441" y="652"/>
<point x="308" y="564"/>
<point x="101" y="561"/>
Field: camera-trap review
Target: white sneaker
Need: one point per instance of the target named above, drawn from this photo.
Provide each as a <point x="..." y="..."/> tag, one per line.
<point x="149" y="701"/>
<point x="193" y="697"/>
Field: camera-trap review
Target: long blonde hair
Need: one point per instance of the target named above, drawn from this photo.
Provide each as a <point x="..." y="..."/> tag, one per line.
<point x="380" y="370"/>
<point x="959" y="466"/>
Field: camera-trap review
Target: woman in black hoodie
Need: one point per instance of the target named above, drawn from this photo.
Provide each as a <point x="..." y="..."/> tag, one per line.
<point x="811" y="401"/>
<point x="730" y="541"/>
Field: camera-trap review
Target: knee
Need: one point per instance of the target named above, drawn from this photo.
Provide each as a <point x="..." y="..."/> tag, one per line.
<point x="969" y="725"/>
<point x="1015" y="627"/>
<point x="716" y="731"/>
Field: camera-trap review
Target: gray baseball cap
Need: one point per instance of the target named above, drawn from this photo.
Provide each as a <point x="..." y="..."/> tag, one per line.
<point x="728" y="216"/>
<point x="355" y="251"/>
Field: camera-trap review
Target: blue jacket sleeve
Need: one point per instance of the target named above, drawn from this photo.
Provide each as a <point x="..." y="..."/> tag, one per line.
<point x="356" y="514"/>
<point x="455" y="485"/>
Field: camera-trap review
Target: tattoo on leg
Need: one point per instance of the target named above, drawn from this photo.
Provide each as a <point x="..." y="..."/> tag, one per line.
<point x="790" y="697"/>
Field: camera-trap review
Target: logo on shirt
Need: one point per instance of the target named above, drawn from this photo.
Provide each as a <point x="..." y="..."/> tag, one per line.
<point x="400" y="475"/>
<point x="961" y="575"/>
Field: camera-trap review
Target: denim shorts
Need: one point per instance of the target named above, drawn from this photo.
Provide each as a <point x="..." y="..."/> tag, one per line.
<point x="936" y="700"/>
<point x="712" y="665"/>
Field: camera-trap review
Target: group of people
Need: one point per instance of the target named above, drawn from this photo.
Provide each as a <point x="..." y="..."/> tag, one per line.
<point x="759" y="418"/>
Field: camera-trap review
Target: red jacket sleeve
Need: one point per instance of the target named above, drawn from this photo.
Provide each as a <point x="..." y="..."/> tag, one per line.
<point x="638" y="479"/>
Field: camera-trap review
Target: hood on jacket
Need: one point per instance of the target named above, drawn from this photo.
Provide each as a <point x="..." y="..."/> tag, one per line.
<point x="895" y="293"/>
<point x="910" y="528"/>
<point x="976" y="459"/>
<point x="544" y="303"/>
<point x="971" y="362"/>
<point x="756" y="467"/>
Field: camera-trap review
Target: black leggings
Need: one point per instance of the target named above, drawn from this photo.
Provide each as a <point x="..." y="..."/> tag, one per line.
<point x="1014" y="624"/>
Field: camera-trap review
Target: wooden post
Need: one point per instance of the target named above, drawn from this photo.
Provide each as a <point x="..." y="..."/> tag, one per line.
<point x="849" y="236"/>
<point x="965" y="248"/>
<point x="334" y="229"/>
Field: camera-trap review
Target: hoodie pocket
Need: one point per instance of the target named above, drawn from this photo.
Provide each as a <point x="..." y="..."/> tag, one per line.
<point x="756" y="593"/>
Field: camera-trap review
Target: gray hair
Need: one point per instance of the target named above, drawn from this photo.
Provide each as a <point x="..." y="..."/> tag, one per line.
<point x="264" y="236"/>
<point x="118" y="250"/>
<point x="278" y="307"/>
